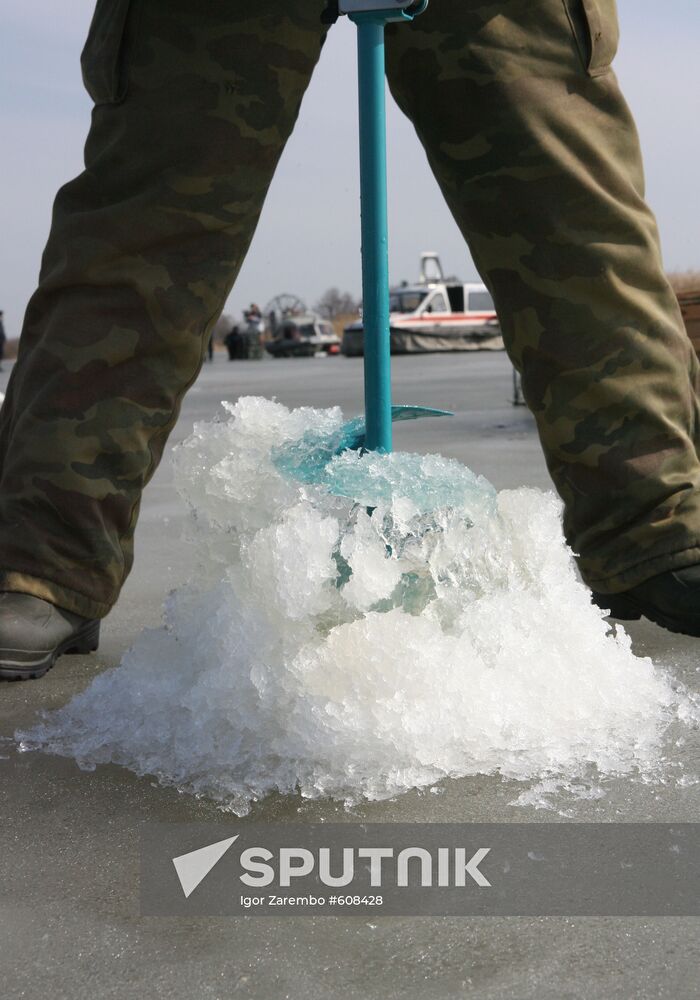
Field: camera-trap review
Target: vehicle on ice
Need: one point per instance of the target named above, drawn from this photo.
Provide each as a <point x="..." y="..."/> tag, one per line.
<point x="435" y="314"/>
<point x="302" y="337"/>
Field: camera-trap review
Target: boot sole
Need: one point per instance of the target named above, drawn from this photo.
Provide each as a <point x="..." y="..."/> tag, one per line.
<point x="27" y="664"/>
<point x="626" y="609"/>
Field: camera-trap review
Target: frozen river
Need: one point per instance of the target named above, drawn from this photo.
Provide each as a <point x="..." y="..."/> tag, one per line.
<point x="69" y="906"/>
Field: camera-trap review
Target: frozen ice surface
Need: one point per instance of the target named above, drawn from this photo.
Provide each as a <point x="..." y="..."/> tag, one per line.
<point x="388" y="623"/>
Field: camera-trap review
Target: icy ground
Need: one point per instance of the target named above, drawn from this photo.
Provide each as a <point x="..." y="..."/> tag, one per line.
<point x="388" y="624"/>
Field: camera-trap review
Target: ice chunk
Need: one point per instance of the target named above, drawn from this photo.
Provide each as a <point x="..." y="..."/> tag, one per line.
<point x="378" y="625"/>
<point x="374" y="575"/>
<point x="302" y="587"/>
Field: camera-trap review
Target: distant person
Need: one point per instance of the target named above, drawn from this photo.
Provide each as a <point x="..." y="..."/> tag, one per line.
<point x="537" y="155"/>
<point x="3" y="338"/>
<point x="210" y="347"/>
<point x="233" y="342"/>
<point x="253" y="317"/>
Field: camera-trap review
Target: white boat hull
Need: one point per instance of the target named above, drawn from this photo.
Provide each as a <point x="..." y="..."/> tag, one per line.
<point x="407" y="339"/>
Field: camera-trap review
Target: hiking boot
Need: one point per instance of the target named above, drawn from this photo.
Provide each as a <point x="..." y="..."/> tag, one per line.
<point x="671" y="599"/>
<point x="34" y="633"/>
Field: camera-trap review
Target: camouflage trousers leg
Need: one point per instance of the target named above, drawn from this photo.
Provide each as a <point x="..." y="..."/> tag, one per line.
<point x="536" y="153"/>
<point x="537" y="156"/>
<point x="194" y="103"/>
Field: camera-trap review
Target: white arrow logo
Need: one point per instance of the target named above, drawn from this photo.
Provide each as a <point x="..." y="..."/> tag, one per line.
<point x="193" y="867"/>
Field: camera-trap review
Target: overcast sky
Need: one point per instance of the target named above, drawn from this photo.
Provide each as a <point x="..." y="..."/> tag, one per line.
<point x="308" y="237"/>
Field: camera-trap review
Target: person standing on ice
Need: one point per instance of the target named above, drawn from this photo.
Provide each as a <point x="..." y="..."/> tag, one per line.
<point x="3" y="338"/>
<point x="535" y="150"/>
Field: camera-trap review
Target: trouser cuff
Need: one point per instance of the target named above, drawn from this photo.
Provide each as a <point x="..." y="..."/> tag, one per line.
<point x="54" y="593"/>
<point x="640" y="572"/>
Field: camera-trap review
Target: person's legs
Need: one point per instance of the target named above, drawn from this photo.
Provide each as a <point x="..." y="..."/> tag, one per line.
<point x="537" y="155"/>
<point x="194" y="103"/>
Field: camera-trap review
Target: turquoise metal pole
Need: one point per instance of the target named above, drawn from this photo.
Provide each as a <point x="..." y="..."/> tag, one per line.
<point x="375" y="258"/>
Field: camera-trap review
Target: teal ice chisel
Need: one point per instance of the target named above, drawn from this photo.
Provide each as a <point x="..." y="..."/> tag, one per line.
<point x="371" y="20"/>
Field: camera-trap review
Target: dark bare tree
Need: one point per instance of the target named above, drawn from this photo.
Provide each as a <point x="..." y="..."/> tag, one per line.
<point x="334" y="303"/>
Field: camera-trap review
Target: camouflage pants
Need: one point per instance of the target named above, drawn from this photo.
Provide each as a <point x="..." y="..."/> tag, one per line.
<point x="537" y="156"/>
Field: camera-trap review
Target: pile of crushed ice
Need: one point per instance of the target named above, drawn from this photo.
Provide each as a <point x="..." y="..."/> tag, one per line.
<point x="370" y="626"/>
